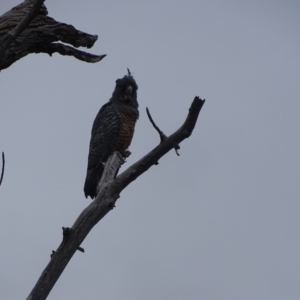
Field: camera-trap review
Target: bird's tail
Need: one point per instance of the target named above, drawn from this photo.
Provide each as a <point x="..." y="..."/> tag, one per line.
<point x="92" y="179"/>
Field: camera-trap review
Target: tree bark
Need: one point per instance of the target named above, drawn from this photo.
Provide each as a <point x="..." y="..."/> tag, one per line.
<point x="27" y="29"/>
<point x="109" y="192"/>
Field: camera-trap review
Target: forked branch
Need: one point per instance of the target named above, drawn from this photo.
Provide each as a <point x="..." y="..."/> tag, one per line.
<point x="109" y="192"/>
<point x="153" y="156"/>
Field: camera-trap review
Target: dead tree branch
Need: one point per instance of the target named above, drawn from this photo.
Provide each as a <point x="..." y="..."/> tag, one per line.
<point x="13" y="34"/>
<point x="163" y="137"/>
<point x="3" y="165"/>
<point x="27" y="29"/>
<point x="161" y="134"/>
<point x="105" y="201"/>
<point x="153" y="156"/>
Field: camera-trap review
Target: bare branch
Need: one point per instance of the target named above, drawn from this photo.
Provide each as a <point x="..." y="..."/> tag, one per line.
<point x="74" y="236"/>
<point x="67" y="50"/>
<point x="27" y="29"/>
<point x="3" y="165"/>
<point x="13" y="34"/>
<point x="163" y="137"/>
<point x="110" y="190"/>
<point x="161" y="134"/>
<point x="153" y="156"/>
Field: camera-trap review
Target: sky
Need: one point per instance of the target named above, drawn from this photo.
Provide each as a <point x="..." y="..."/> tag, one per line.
<point x="221" y="221"/>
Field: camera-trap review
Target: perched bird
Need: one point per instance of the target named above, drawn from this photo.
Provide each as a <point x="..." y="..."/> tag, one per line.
<point x="112" y="130"/>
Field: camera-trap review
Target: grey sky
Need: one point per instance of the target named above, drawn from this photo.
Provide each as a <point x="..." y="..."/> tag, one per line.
<point x="219" y="222"/>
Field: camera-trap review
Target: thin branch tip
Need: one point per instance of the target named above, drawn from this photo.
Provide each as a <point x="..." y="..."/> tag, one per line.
<point x="163" y="137"/>
<point x="3" y="165"/>
<point x="176" y="148"/>
<point x="80" y="249"/>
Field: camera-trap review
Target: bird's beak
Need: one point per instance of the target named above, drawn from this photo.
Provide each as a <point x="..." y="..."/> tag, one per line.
<point x="128" y="92"/>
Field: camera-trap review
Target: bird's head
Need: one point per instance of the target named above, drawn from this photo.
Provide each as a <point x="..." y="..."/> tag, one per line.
<point x="126" y="91"/>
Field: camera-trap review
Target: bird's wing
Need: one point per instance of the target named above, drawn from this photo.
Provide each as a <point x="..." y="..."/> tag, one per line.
<point x="105" y="131"/>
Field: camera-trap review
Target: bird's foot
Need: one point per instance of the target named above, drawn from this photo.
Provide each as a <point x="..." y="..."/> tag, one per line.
<point x="125" y="153"/>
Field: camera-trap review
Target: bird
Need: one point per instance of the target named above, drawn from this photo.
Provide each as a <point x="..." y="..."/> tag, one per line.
<point x="112" y="130"/>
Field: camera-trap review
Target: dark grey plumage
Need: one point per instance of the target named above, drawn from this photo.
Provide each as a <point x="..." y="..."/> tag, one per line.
<point x="112" y="130"/>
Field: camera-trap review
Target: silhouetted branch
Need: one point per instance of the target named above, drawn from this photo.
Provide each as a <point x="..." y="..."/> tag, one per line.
<point x="67" y="50"/>
<point x="66" y="234"/>
<point x="27" y="29"/>
<point x="80" y="249"/>
<point x="110" y="190"/>
<point x="153" y="156"/>
<point x="161" y="134"/>
<point x="13" y="34"/>
<point x="3" y="165"/>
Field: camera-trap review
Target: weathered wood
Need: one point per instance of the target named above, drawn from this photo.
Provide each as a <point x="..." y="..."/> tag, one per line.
<point x="88" y="218"/>
<point x="27" y="28"/>
<point x="110" y="189"/>
<point x="153" y="156"/>
<point x="12" y="35"/>
<point x="111" y="169"/>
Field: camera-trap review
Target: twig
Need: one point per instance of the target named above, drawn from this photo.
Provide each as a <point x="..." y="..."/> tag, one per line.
<point x="80" y="249"/>
<point x="3" y="164"/>
<point x="163" y="137"/>
<point x="161" y="134"/>
<point x="141" y="166"/>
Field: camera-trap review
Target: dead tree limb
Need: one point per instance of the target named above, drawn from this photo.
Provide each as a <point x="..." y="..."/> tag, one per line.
<point x="3" y="165"/>
<point x="163" y="137"/>
<point x="27" y="29"/>
<point x="105" y="201"/>
<point x="13" y="34"/>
